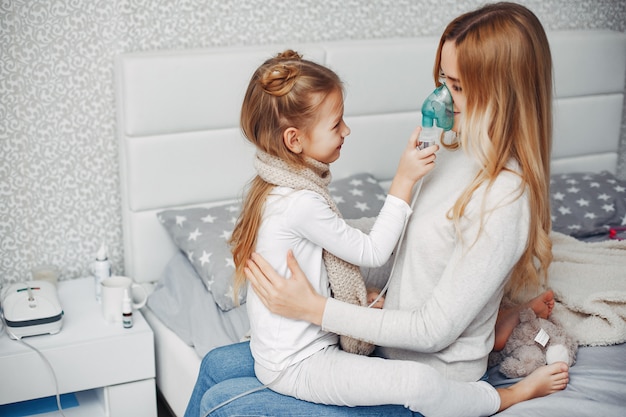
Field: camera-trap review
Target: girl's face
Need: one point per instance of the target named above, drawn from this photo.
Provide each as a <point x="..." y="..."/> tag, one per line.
<point x="450" y="76"/>
<point x="324" y="140"/>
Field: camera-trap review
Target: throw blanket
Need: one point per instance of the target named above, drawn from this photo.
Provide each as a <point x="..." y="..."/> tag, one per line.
<point x="589" y="283"/>
<point x="346" y="282"/>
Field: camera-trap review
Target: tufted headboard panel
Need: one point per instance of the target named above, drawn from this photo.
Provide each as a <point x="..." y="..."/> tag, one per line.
<point x="180" y="143"/>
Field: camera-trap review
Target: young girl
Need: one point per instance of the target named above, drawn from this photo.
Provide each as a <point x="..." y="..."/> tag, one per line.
<point x="293" y="113"/>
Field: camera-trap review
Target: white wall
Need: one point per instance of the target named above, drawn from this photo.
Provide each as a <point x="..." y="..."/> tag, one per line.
<point x="58" y="152"/>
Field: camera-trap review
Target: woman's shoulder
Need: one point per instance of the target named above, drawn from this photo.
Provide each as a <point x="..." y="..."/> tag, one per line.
<point x="507" y="187"/>
<point x="510" y="177"/>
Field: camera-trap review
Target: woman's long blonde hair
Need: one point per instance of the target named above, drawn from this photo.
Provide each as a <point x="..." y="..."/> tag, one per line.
<point x="505" y="68"/>
<point x="285" y="91"/>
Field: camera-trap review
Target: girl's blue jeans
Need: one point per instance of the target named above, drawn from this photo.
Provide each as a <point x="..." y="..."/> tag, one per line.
<point x="228" y="371"/>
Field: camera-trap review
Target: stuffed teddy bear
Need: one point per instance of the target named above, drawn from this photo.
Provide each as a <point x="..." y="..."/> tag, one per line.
<point x="533" y="343"/>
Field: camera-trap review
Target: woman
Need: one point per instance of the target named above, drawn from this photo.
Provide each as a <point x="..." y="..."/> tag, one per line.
<point x="480" y="228"/>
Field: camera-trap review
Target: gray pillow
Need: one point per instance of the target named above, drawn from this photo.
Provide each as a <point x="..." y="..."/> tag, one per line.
<point x="586" y="204"/>
<point x="203" y="233"/>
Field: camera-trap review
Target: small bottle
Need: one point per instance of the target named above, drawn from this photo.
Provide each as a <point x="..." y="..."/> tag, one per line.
<point x="127" y="310"/>
<point x="101" y="269"/>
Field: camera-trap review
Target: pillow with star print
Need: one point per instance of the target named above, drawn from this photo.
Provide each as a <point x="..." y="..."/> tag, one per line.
<point x="587" y="204"/>
<point x="203" y="233"/>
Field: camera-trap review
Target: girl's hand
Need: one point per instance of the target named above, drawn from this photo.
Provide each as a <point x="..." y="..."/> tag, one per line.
<point x="414" y="164"/>
<point x="293" y="298"/>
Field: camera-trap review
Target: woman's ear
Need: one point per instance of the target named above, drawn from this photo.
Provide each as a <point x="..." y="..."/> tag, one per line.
<point x="292" y="142"/>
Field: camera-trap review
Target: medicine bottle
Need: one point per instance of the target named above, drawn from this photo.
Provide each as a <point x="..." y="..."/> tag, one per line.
<point x="127" y="310"/>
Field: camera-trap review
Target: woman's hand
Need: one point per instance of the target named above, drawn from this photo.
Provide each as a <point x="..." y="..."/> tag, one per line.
<point x="293" y="298"/>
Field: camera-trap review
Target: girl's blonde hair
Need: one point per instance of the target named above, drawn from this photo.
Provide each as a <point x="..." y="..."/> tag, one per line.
<point x="505" y="68"/>
<point x="285" y="91"/>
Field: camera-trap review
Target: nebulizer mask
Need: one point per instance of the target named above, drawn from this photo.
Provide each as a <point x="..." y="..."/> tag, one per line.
<point x="437" y="116"/>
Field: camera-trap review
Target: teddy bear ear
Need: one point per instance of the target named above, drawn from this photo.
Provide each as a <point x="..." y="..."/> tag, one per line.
<point x="527" y="315"/>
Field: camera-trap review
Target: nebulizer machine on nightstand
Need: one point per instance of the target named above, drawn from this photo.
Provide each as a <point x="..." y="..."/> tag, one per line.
<point x="31" y="308"/>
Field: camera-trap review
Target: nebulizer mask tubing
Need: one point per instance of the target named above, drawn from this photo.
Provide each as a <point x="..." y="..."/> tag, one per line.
<point x="437" y="117"/>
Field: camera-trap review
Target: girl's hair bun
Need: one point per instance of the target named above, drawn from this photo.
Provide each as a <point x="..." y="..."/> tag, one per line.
<point x="281" y="73"/>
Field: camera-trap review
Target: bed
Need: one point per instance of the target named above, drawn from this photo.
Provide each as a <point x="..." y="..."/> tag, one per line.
<point x="183" y="164"/>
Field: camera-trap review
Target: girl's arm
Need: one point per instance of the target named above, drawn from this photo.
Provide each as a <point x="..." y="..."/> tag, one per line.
<point x="313" y="220"/>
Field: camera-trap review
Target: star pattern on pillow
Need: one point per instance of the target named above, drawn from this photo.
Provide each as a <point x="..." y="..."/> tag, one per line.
<point x="358" y="196"/>
<point x="587" y="204"/>
<point x="203" y="233"/>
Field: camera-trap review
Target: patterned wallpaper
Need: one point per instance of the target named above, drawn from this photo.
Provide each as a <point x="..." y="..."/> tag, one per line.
<point x="58" y="153"/>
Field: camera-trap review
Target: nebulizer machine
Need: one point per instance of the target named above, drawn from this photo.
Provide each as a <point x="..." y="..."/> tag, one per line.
<point x="437" y="117"/>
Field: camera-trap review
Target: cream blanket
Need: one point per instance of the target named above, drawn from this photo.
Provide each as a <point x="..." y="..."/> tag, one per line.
<point x="589" y="283"/>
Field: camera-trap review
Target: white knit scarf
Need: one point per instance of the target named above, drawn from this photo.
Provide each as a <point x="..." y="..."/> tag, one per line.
<point x="346" y="282"/>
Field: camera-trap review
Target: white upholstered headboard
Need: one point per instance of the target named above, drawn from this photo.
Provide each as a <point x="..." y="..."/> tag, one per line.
<point x="180" y="143"/>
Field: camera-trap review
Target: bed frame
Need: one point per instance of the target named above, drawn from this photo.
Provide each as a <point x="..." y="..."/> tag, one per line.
<point x="180" y="143"/>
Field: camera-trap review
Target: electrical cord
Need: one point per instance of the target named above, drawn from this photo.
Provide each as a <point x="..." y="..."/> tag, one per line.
<point x="41" y="355"/>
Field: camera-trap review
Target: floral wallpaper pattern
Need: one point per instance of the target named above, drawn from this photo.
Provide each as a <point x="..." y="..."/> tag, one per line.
<point x="59" y="180"/>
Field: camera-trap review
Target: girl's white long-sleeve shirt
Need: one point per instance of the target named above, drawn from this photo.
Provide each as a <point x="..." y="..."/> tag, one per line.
<point x="303" y="222"/>
<point x="445" y="291"/>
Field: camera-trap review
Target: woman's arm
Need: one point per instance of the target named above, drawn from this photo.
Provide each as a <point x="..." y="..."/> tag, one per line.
<point x="475" y="274"/>
<point x="467" y="290"/>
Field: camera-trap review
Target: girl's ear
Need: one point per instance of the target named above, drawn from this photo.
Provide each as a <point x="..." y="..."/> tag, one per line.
<point x="292" y="142"/>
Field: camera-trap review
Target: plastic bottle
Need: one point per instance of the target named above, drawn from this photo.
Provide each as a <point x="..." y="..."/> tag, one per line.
<point x="101" y="269"/>
<point x="127" y="310"/>
<point x="436" y="108"/>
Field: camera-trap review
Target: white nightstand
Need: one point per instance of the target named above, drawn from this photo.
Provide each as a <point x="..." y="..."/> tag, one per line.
<point x="110" y="369"/>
